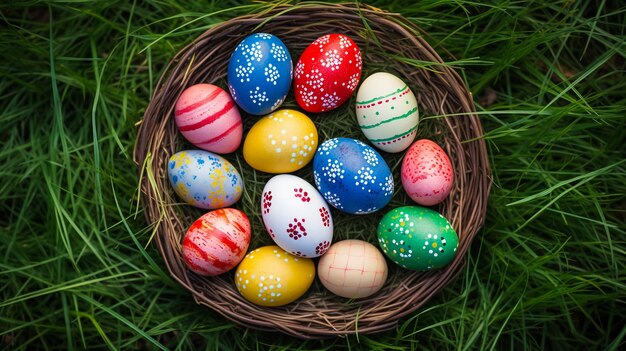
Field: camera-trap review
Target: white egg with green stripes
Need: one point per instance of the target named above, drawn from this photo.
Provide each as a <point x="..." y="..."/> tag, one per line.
<point x="387" y="112"/>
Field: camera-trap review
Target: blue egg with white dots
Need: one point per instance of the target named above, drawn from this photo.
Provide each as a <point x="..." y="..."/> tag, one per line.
<point x="352" y="176"/>
<point x="259" y="73"/>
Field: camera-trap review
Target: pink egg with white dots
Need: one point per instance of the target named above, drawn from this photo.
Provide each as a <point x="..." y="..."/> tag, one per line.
<point x="427" y="174"/>
<point x="208" y="118"/>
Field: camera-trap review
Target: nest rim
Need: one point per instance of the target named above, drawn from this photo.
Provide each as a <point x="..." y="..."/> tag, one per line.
<point x="317" y="314"/>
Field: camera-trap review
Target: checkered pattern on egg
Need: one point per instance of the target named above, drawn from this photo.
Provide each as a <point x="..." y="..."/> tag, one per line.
<point x="353" y="269"/>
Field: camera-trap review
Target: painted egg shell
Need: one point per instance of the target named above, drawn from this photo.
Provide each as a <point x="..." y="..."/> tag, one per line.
<point x="269" y="276"/>
<point x="386" y="111"/>
<point x="259" y="73"/>
<point x="207" y="117"/>
<point x="352" y="176"/>
<point x="296" y="216"/>
<point x="204" y="179"/>
<point x="281" y="142"/>
<point x="427" y="173"/>
<point x="217" y="241"/>
<point x="327" y="73"/>
<point x="352" y="269"/>
<point x="417" y="238"/>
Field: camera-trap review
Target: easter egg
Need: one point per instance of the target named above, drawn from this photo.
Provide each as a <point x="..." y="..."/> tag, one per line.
<point x="208" y="118"/>
<point x="259" y="73"/>
<point x="281" y="142"/>
<point x="417" y="238"/>
<point x="352" y="269"/>
<point x="427" y="174"/>
<point x="386" y="111"/>
<point x="327" y="73"/>
<point x="352" y="176"/>
<point x="217" y="241"/>
<point x="204" y="179"/>
<point x="269" y="276"/>
<point x="296" y="216"/>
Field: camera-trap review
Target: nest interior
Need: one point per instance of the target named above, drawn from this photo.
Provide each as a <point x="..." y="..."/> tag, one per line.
<point x="389" y="43"/>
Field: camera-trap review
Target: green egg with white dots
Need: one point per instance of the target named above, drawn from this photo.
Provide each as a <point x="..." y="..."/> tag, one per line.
<point x="417" y="238"/>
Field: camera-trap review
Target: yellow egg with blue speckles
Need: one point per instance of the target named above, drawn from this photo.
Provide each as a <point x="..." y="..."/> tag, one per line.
<point x="282" y="142"/>
<point x="269" y="276"/>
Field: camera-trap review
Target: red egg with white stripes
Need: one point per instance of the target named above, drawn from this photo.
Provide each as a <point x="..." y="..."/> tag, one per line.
<point x="327" y="73"/>
<point x="208" y="118"/>
<point x="427" y="174"/>
<point x="216" y="242"/>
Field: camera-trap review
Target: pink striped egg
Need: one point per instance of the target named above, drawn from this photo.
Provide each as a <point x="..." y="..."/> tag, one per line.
<point x="217" y="241"/>
<point x="208" y="118"/>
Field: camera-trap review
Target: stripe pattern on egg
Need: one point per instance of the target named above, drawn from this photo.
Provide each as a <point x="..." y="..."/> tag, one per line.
<point x="217" y="241"/>
<point x="387" y="112"/>
<point x="209" y="119"/>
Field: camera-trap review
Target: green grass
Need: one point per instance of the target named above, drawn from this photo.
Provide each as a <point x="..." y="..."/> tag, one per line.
<point x="546" y="272"/>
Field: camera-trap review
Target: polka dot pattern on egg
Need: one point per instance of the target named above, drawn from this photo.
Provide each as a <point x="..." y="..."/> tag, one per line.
<point x="204" y="179"/>
<point x="352" y="176"/>
<point x="260" y="73"/>
<point x="417" y="238"/>
<point x="281" y="142"/>
<point x="327" y="73"/>
<point x="269" y="276"/>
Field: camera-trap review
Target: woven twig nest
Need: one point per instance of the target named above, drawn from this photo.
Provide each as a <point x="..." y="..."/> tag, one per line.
<point x="388" y="42"/>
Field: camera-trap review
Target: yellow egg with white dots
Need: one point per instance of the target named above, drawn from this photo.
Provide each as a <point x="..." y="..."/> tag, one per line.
<point x="269" y="276"/>
<point x="281" y="142"/>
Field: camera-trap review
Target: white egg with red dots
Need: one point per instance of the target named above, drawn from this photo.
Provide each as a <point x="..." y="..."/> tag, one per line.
<point x="296" y="216"/>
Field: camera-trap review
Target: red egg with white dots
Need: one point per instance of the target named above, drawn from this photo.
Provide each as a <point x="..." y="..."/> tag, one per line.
<point x="427" y="174"/>
<point x="217" y="241"/>
<point x="327" y="73"/>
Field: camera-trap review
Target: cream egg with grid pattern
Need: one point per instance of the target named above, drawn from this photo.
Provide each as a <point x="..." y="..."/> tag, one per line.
<point x="353" y="269"/>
